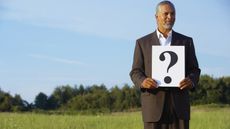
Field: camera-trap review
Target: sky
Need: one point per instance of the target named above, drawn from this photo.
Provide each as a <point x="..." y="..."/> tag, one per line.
<point x="49" y="43"/>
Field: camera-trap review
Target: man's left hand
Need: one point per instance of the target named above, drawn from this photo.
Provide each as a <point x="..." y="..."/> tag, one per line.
<point x="186" y="84"/>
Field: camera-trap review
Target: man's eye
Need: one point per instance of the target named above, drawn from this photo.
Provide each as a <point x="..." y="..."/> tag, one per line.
<point x="171" y="14"/>
<point x="166" y="14"/>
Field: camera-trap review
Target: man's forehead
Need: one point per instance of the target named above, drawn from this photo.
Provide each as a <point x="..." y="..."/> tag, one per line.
<point x="166" y="8"/>
<point x="167" y="11"/>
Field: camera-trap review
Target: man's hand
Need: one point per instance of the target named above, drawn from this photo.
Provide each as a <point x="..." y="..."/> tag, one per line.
<point x="186" y="84"/>
<point x="149" y="83"/>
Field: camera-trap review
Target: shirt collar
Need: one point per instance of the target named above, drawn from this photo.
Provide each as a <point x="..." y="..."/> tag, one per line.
<point x="160" y="35"/>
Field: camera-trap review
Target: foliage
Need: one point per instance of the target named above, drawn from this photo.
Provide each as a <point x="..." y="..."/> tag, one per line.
<point x="211" y="90"/>
<point x="97" y="98"/>
<point x="9" y="103"/>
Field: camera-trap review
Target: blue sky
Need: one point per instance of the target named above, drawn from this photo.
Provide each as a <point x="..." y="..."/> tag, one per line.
<point x="48" y="43"/>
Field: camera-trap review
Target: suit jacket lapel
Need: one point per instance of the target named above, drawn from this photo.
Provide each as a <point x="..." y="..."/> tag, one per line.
<point x="155" y="40"/>
<point x="175" y="40"/>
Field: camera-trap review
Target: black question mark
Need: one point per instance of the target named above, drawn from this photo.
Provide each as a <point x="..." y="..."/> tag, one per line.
<point x="173" y="61"/>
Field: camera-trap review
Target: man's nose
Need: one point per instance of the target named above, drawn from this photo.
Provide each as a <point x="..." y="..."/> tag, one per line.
<point x="170" y="16"/>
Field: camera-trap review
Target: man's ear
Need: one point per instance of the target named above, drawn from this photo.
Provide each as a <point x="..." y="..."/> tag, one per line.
<point x="156" y="16"/>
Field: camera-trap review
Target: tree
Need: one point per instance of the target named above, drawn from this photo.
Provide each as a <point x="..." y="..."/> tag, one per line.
<point x="225" y="89"/>
<point x="52" y="102"/>
<point x="81" y="90"/>
<point x="116" y="98"/>
<point x="41" y="101"/>
<point x="6" y="102"/>
<point x="63" y="94"/>
<point x="18" y="104"/>
<point x="96" y="98"/>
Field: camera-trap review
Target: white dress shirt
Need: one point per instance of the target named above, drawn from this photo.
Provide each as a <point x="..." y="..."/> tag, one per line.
<point x="164" y="41"/>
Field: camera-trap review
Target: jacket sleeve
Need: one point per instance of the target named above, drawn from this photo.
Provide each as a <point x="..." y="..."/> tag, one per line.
<point x="137" y="73"/>
<point x="192" y="64"/>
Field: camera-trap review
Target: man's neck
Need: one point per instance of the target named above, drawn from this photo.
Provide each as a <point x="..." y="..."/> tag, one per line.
<point x="164" y="32"/>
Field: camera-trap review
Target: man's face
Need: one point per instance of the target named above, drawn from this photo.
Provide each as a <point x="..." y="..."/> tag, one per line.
<point x="165" y="17"/>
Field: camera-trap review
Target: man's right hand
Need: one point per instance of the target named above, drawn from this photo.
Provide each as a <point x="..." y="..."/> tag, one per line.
<point x="149" y="83"/>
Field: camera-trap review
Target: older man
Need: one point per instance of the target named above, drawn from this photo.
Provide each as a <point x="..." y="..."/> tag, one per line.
<point x="164" y="108"/>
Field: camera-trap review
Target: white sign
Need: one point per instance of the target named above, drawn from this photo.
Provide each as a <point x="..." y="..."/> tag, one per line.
<point x="168" y="65"/>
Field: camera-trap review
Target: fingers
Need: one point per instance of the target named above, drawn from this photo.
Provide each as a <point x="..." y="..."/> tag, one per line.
<point x="149" y="83"/>
<point x="185" y="83"/>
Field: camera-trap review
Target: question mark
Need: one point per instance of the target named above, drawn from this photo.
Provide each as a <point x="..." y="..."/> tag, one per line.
<point x="173" y="61"/>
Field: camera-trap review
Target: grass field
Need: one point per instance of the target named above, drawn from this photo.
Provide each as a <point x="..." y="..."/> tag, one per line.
<point x="203" y="117"/>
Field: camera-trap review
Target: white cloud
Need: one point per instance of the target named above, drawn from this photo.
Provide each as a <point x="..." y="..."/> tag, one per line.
<point x="57" y="59"/>
<point x="101" y="18"/>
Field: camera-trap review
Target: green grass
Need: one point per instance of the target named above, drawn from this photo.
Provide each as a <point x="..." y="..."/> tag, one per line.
<point x="203" y="117"/>
<point x="210" y="117"/>
<point x="41" y="121"/>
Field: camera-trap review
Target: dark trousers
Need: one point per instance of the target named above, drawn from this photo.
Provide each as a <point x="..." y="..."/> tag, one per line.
<point x="168" y="118"/>
<point x="177" y="124"/>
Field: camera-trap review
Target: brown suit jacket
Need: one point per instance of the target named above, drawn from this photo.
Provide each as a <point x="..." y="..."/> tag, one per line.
<point x="153" y="100"/>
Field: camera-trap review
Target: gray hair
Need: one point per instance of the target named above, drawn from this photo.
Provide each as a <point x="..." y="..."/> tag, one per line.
<point x="164" y="3"/>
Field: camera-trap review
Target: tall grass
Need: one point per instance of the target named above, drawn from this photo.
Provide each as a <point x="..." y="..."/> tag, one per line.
<point x="204" y="117"/>
<point x="210" y="117"/>
<point x="41" y="121"/>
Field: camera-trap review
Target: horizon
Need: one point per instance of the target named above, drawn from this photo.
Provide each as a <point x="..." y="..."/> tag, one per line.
<point x="45" y="44"/>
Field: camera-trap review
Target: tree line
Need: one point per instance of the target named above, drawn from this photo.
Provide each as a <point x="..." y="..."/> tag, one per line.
<point x="98" y="98"/>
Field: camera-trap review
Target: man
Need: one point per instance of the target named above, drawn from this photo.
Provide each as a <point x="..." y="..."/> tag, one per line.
<point x="164" y="108"/>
